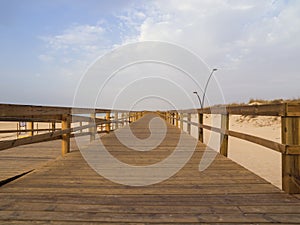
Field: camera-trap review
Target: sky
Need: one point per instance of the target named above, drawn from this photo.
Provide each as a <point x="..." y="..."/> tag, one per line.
<point x="49" y="47"/>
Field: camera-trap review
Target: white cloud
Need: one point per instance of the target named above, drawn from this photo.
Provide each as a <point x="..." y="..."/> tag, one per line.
<point x="80" y="39"/>
<point x="252" y="42"/>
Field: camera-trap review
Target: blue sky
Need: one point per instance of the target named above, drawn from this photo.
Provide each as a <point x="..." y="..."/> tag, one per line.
<point x="46" y="46"/>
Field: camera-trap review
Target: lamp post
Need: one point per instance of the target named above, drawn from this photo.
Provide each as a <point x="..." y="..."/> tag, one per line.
<point x="200" y="115"/>
<point x="196" y="93"/>
<point x="201" y="102"/>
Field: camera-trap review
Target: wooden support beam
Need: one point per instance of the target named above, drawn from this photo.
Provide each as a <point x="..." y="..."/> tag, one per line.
<point x="117" y="120"/>
<point x="173" y="118"/>
<point x="176" y="120"/>
<point x="189" y="117"/>
<point x="53" y="126"/>
<point x="65" y="124"/>
<point x="200" y="129"/>
<point x="30" y="126"/>
<point x="223" y="135"/>
<point x="181" y="121"/>
<point x="93" y="129"/>
<point x="291" y="163"/>
<point x="80" y="124"/>
<point x="107" y="126"/>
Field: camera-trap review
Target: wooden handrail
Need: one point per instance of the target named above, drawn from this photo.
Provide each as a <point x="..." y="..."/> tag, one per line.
<point x="280" y="109"/>
<point x="290" y="122"/>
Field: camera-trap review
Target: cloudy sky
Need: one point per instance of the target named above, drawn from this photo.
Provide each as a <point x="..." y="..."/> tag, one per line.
<point x="48" y="46"/>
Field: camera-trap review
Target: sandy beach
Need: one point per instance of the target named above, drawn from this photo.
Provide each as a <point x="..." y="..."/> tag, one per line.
<point x="264" y="162"/>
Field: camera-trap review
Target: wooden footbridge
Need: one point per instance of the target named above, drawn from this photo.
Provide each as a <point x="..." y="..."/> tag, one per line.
<point x="41" y="186"/>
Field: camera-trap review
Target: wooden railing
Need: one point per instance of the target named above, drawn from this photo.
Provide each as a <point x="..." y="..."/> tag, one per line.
<point x="289" y="113"/>
<point x="67" y="118"/>
<point x="290" y="133"/>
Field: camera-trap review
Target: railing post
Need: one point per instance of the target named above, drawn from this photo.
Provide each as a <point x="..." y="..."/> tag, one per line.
<point x="116" y="120"/>
<point x="65" y="124"/>
<point x="181" y="121"/>
<point x="290" y="131"/>
<point x="122" y="119"/>
<point x="189" y="123"/>
<point x="173" y="118"/>
<point x="223" y="136"/>
<point x="30" y="127"/>
<point x="107" y="126"/>
<point x="176" y="120"/>
<point x="93" y="128"/>
<point x="200" y="129"/>
<point x="80" y="124"/>
<point x="53" y="126"/>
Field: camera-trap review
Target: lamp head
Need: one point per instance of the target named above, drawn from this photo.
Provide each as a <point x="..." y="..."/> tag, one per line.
<point x="215" y="69"/>
<point x="195" y="92"/>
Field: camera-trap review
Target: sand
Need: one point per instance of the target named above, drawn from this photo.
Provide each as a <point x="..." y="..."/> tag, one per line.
<point x="263" y="161"/>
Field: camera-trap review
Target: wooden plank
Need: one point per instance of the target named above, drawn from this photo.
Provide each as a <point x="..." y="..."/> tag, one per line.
<point x="292" y="109"/>
<point x="200" y="128"/>
<point x="32" y="118"/>
<point x="68" y="191"/>
<point x="247" y="137"/>
<point x="254" y="110"/>
<point x="107" y="117"/>
<point x="223" y="136"/>
<point x="21" y="159"/>
<point x="27" y="130"/>
<point x="292" y="150"/>
<point x="291" y="163"/>
<point x="65" y="125"/>
<point x="188" y="129"/>
<point x="10" y="110"/>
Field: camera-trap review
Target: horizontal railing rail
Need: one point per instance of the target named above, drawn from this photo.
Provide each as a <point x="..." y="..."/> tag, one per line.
<point x="113" y="119"/>
<point x="66" y="117"/>
<point x="290" y="132"/>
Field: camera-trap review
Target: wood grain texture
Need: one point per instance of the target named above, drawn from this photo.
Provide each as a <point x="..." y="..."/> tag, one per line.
<point x="68" y="191"/>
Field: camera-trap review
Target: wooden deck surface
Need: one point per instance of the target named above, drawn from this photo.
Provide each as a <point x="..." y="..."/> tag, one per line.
<point x="68" y="191"/>
<point x="23" y="159"/>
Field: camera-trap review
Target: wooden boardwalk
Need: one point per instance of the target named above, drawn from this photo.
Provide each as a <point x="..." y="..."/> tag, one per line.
<point x="68" y="191"/>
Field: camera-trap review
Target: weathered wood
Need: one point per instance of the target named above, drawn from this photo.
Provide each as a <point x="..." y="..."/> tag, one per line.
<point x="27" y="130"/>
<point x="282" y="148"/>
<point x="30" y="126"/>
<point x="93" y="127"/>
<point x="68" y="191"/>
<point x="254" y="110"/>
<point x="200" y="129"/>
<point x="53" y="126"/>
<point x="33" y="118"/>
<point x="223" y="136"/>
<point x="65" y="124"/>
<point x="189" y="123"/>
<point x="292" y="150"/>
<point x="291" y="163"/>
<point x="9" y="110"/>
<point x="107" y="117"/>
<point x="181" y="121"/>
<point x="293" y="109"/>
<point x="116" y="119"/>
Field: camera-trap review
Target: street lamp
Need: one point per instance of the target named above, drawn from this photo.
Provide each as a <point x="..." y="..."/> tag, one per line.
<point x="200" y="115"/>
<point x="196" y="93"/>
<point x="201" y="102"/>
